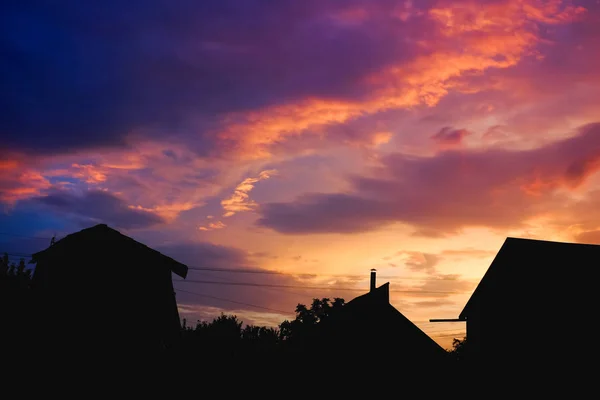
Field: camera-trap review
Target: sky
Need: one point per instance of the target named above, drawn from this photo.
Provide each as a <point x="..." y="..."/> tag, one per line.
<point x="305" y="142"/>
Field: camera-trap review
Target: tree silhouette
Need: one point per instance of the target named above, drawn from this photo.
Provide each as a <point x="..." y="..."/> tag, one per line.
<point x="14" y="275"/>
<point x="459" y="349"/>
<point x="300" y="329"/>
<point x="15" y="303"/>
<point x="260" y="335"/>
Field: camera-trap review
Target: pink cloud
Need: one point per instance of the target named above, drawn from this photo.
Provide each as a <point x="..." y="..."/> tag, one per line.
<point x="447" y="191"/>
<point x="20" y="181"/>
<point x="470" y="37"/>
<point x="449" y="137"/>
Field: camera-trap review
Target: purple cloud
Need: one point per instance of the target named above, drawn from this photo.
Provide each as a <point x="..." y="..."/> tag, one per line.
<point x="447" y="191"/>
<point x="448" y="136"/>
<point x="98" y="207"/>
<point x="77" y="75"/>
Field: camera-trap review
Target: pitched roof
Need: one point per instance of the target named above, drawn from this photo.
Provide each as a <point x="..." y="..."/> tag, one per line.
<point x="536" y="271"/>
<point x="103" y="237"/>
<point x="374" y="311"/>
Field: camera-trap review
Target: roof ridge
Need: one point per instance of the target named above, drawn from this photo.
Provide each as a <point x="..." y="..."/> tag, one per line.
<point x="523" y="239"/>
<point x="175" y="266"/>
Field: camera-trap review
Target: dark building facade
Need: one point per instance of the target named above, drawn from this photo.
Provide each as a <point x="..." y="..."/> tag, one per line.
<point x="98" y="290"/>
<point x="370" y="329"/>
<point x="534" y="304"/>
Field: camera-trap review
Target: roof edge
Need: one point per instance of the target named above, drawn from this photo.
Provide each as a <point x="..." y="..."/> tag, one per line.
<point x="465" y="310"/>
<point x="175" y="266"/>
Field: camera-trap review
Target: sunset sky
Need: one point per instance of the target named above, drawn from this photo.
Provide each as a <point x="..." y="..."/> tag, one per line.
<point x="316" y="139"/>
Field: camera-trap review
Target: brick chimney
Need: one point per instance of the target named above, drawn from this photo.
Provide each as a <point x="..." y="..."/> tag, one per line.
<point x="373" y="272"/>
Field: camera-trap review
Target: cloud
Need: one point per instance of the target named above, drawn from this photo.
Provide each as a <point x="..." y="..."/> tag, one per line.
<point x="424" y="262"/>
<point x="19" y="181"/>
<point x="462" y="38"/>
<point x="450" y="137"/>
<point x="88" y="173"/>
<point x="375" y="59"/>
<point x="419" y="262"/>
<point x="213" y="225"/>
<point x="167" y="66"/>
<point x="230" y="78"/>
<point x="589" y="237"/>
<point x="206" y="255"/>
<point x="437" y="303"/>
<point x="447" y="191"/>
<point x="240" y="200"/>
<point x="143" y="176"/>
<point x="98" y="207"/>
<point x="439" y="286"/>
<point x="467" y="253"/>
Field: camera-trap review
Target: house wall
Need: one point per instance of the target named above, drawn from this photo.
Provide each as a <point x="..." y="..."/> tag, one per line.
<point x="488" y="340"/>
<point x="515" y="338"/>
<point x="106" y="303"/>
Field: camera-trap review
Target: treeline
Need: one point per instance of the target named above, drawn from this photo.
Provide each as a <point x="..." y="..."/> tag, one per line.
<point x="226" y="336"/>
<point x="14" y="272"/>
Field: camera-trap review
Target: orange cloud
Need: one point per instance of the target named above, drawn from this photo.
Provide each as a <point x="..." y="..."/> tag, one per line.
<point x="212" y="226"/>
<point x="167" y="212"/>
<point x="19" y="181"/>
<point x="472" y="38"/>
<point x="88" y="173"/>
<point x="588" y="237"/>
<point x="240" y="200"/>
<point x="449" y="191"/>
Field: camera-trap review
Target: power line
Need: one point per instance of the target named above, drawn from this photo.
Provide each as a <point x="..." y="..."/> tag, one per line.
<point x="304" y="287"/>
<point x="14" y="255"/>
<point x="274" y="286"/>
<point x="237" y="270"/>
<point x="272" y="272"/>
<point x="24" y="237"/>
<point x="233" y="301"/>
<point x="262" y="288"/>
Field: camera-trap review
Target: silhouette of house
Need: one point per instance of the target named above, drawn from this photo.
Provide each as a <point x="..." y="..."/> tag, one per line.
<point x="97" y="289"/>
<point x="533" y="302"/>
<point x="369" y="328"/>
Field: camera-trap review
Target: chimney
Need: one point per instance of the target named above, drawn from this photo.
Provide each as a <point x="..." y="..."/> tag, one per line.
<point x="373" y="272"/>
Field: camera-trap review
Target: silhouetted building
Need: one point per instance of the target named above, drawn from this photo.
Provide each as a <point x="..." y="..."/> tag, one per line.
<point x="534" y="304"/>
<point x="368" y="328"/>
<point x="101" y="291"/>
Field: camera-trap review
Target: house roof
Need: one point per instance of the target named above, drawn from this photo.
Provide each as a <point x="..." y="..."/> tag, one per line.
<point x="102" y="237"/>
<point x="373" y="309"/>
<point x="536" y="271"/>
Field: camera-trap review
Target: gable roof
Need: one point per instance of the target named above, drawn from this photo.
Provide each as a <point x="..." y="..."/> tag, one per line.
<point x="102" y="236"/>
<point x="373" y="310"/>
<point x="536" y="271"/>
